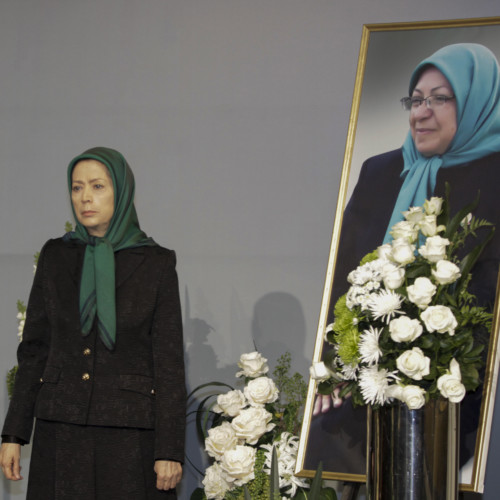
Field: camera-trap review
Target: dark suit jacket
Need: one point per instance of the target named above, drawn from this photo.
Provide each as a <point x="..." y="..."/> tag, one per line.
<point x="364" y="224"/>
<point x="66" y="377"/>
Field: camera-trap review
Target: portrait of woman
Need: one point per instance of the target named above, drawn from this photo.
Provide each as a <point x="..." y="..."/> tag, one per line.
<point x="101" y="368"/>
<point x="453" y="107"/>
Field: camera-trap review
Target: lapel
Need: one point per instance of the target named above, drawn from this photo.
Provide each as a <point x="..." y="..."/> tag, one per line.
<point x="126" y="262"/>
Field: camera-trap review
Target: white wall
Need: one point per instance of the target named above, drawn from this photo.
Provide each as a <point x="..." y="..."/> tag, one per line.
<point x="233" y="115"/>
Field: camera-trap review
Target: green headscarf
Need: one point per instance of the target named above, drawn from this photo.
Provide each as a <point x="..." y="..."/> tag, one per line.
<point x="97" y="286"/>
<point x="474" y="75"/>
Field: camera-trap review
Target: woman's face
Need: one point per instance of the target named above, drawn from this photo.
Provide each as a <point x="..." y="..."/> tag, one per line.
<point x="92" y="195"/>
<point x="433" y="129"/>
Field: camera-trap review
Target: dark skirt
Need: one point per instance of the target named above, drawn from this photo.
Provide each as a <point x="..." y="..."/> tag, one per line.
<point x="74" y="462"/>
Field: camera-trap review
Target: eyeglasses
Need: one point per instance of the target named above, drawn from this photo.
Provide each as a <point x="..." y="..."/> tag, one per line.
<point x="431" y="102"/>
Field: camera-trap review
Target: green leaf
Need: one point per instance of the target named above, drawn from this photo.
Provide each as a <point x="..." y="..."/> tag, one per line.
<point x="246" y="493"/>
<point x="203" y="414"/>
<point x="470" y="259"/>
<point x="208" y="384"/>
<point x="454" y="224"/>
<point x="315" y="491"/>
<point x="198" y="494"/>
<point x="274" y="485"/>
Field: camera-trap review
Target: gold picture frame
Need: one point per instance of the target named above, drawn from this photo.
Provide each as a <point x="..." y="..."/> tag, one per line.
<point x="387" y="56"/>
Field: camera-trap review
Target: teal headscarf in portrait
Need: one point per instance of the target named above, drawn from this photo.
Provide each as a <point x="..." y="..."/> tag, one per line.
<point x="97" y="287"/>
<point x="473" y="73"/>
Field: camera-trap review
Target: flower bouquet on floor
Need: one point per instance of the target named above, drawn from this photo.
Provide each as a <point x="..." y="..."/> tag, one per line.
<point x="251" y="435"/>
<point x="408" y="329"/>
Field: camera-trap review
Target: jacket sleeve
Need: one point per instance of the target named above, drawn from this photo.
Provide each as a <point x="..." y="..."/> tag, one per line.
<point x="31" y="356"/>
<point x="168" y="360"/>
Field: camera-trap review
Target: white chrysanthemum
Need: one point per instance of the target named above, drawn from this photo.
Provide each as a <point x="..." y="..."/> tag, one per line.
<point x="374" y="383"/>
<point x="365" y="299"/>
<point x="385" y="305"/>
<point x="350" y="372"/>
<point x="369" y="349"/>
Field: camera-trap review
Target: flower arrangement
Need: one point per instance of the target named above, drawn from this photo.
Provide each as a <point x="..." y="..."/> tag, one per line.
<point x="408" y="328"/>
<point x="249" y="426"/>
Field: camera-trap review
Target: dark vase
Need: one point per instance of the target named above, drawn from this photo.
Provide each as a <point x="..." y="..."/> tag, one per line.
<point x="413" y="454"/>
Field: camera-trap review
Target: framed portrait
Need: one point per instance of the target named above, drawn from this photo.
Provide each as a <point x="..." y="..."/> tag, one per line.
<point x="388" y="55"/>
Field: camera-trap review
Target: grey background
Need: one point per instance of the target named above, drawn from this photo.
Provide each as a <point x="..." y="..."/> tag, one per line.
<point x="233" y="115"/>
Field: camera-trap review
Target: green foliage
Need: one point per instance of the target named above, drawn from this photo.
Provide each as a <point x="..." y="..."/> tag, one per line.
<point x="346" y="332"/>
<point x="369" y="257"/>
<point x="11" y="377"/>
<point x="21" y="307"/>
<point x="292" y="395"/>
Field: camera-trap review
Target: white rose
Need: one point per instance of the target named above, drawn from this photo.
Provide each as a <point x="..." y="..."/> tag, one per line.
<point x="446" y="272"/>
<point x="392" y="275"/>
<point x="434" y="248"/>
<point x="439" y="319"/>
<point x="413" y="396"/>
<point x="421" y="292"/>
<point x="260" y="391"/>
<point x="220" y="439"/>
<point x="230" y="403"/>
<point x="415" y="214"/>
<point x="404" y="329"/>
<point x="384" y="252"/>
<point x="394" y="391"/>
<point x="414" y="364"/>
<point x="319" y="371"/>
<point x="402" y="251"/>
<point x="252" y="364"/>
<point x="433" y="206"/>
<point x="214" y="483"/>
<point x="450" y="384"/>
<point x="405" y="230"/>
<point x="428" y="225"/>
<point x="252" y="423"/>
<point x="238" y="465"/>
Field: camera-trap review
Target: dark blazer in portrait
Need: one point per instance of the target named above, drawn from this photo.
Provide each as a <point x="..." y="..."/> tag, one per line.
<point x="66" y="377"/>
<point x="338" y="438"/>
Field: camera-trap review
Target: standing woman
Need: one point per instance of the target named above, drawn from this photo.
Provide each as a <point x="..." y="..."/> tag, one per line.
<point x="101" y="364"/>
